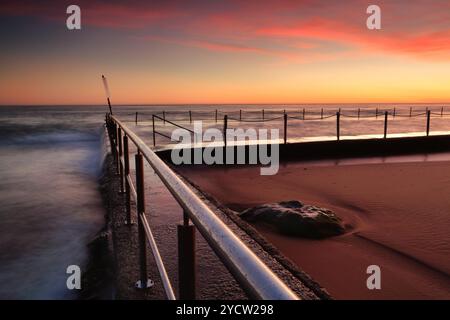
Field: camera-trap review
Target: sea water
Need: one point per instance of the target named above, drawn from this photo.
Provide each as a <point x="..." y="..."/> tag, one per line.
<point x="50" y="162"/>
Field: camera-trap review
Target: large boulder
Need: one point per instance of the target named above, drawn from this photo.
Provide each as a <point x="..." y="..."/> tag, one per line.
<point x="294" y="218"/>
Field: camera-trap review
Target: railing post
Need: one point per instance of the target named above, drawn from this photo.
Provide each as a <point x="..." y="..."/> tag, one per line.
<point x="442" y="111"/>
<point x="263" y="114"/>
<point x="359" y="112"/>
<point x="116" y="131"/>
<point x="143" y="281"/>
<point x="225" y="127"/>
<point x="111" y="136"/>
<point x="240" y="115"/>
<point x="285" y="128"/>
<point x="190" y="116"/>
<point x="338" y="124"/>
<point x="410" y="112"/>
<point x="186" y="259"/>
<point x="154" y="134"/>
<point x="385" y="124"/>
<point x="120" y="161"/>
<point x="216" y="115"/>
<point x="376" y="113"/>
<point x="428" y="122"/>
<point x="126" y="158"/>
<point x="393" y="114"/>
<point x="136" y="119"/>
<point x="304" y="112"/>
<point x="321" y="113"/>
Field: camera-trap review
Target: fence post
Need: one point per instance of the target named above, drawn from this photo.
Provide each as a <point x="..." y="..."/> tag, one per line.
<point x="304" y="112"/>
<point x="263" y="114"/>
<point x="376" y="113"/>
<point x="393" y="114"/>
<point x="225" y="127"/>
<point x="126" y="158"/>
<point x="120" y="161"/>
<point x="154" y="134"/>
<point x="359" y="112"/>
<point x="321" y="113"/>
<point x="338" y="125"/>
<point x="428" y="122"/>
<point x="190" y="116"/>
<point x="285" y="128"/>
<point x="216" y="115"/>
<point x="186" y="259"/>
<point x="143" y="281"/>
<point x="240" y="115"/>
<point x="136" y="120"/>
<point x="111" y="136"/>
<point x="442" y="111"/>
<point x="116" y="145"/>
<point x="385" y="123"/>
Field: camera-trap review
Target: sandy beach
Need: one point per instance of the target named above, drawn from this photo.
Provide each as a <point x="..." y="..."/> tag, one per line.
<point x="397" y="215"/>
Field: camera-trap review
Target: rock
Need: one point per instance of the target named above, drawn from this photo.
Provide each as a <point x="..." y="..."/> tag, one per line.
<point x="294" y="218"/>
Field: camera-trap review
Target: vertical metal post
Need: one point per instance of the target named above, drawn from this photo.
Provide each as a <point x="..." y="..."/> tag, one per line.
<point x="136" y="119"/>
<point x="143" y="282"/>
<point x="304" y="112"/>
<point x="385" y="124"/>
<point x="126" y="157"/>
<point x="393" y="114"/>
<point x="225" y="127"/>
<point x="154" y="134"/>
<point x="442" y="111"/>
<point x="216" y="115"/>
<point x="263" y="114"/>
<point x="111" y="136"/>
<point x="116" y="131"/>
<point x="240" y="115"/>
<point x="190" y="116"/>
<point x="285" y="128"/>
<point x="338" y="124"/>
<point x="428" y="122"/>
<point x="321" y="113"/>
<point x="359" y="112"/>
<point x="376" y="113"/>
<point x="186" y="259"/>
<point x="120" y="161"/>
<point x="410" y="112"/>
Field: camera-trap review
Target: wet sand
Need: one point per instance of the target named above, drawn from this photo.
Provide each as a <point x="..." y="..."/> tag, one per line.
<point x="398" y="215"/>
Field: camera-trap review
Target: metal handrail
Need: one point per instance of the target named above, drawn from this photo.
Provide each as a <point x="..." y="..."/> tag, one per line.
<point x="149" y="235"/>
<point x="248" y="269"/>
<point x="159" y="263"/>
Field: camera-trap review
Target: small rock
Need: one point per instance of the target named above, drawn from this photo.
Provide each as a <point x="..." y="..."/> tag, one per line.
<point x="294" y="218"/>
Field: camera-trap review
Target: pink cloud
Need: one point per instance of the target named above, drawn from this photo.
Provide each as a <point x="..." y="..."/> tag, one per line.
<point x="288" y="29"/>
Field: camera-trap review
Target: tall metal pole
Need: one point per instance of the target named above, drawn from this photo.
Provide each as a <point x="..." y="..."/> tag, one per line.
<point x="105" y="84"/>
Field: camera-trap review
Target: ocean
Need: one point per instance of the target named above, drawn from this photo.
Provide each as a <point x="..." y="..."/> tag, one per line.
<point x="50" y="162"/>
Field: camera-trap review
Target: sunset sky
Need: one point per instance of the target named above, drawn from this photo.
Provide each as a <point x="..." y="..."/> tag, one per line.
<point x="216" y="51"/>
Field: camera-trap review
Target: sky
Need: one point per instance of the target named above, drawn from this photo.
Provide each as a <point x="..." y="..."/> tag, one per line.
<point x="217" y="51"/>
